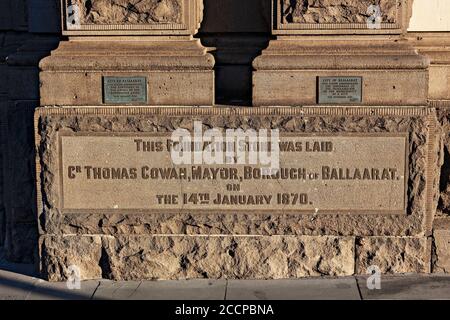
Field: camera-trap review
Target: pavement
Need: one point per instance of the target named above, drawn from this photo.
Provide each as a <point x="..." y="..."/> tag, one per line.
<point x="20" y="282"/>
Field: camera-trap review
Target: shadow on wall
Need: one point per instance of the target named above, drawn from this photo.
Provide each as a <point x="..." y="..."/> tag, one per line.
<point x="239" y="31"/>
<point x="29" y="30"/>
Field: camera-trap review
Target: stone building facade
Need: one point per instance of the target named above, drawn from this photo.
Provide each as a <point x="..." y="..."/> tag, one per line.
<point x="238" y="32"/>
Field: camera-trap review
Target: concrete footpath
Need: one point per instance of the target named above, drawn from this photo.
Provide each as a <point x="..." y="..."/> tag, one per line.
<point x="17" y="282"/>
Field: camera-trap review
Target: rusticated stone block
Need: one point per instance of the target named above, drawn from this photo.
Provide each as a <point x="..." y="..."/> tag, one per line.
<point x="62" y="252"/>
<point x="441" y="245"/>
<point x="442" y="251"/>
<point x="393" y="254"/>
<point x="187" y="257"/>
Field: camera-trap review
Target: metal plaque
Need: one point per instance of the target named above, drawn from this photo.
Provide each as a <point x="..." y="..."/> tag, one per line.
<point x="124" y="90"/>
<point x="340" y="90"/>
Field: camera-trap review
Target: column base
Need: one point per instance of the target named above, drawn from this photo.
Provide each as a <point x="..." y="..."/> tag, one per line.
<point x="178" y="72"/>
<point x="288" y="70"/>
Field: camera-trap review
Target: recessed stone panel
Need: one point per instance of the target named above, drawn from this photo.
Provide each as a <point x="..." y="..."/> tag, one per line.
<point x="340" y="16"/>
<point x="347" y="173"/>
<point x="150" y="17"/>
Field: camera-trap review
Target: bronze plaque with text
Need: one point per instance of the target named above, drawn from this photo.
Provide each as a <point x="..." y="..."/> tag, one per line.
<point x="124" y="90"/>
<point x="340" y="90"/>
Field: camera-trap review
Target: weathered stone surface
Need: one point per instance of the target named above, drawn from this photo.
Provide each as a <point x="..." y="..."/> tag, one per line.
<point x="441" y="245"/>
<point x="393" y="254"/>
<point x="442" y="251"/>
<point x="186" y="257"/>
<point x="335" y="11"/>
<point x="61" y="252"/>
<point x="129" y="11"/>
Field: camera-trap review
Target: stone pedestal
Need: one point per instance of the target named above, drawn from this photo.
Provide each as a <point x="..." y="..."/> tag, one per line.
<point x="151" y="40"/>
<point x="320" y="40"/>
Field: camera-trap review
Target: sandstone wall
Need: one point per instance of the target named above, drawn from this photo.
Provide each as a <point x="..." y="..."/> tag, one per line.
<point x="239" y="30"/>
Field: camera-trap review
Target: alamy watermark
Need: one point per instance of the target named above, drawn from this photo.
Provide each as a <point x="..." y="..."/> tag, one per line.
<point x="73" y="17"/>
<point x="375" y="17"/>
<point x="374" y="281"/>
<point x="74" y="278"/>
<point x="227" y="147"/>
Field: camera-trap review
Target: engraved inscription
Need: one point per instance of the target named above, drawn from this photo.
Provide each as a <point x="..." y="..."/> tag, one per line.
<point x="123" y="90"/>
<point x="123" y="12"/>
<point x="335" y="11"/>
<point x="318" y="174"/>
<point x="339" y="90"/>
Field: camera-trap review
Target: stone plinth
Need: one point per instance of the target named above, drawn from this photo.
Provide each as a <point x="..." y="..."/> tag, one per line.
<point x="337" y="40"/>
<point x="132" y="236"/>
<point x="392" y="73"/>
<point x="151" y="40"/>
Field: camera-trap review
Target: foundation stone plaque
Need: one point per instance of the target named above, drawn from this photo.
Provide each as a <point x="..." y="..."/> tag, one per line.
<point x="123" y="90"/>
<point x="347" y="173"/>
<point x="335" y="90"/>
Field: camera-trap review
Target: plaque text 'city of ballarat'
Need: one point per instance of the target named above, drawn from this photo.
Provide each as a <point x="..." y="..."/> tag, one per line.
<point x="124" y="90"/>
<point x="357" y="173"/>
<point x="339" y="90"/>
